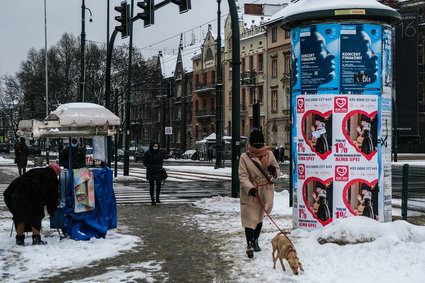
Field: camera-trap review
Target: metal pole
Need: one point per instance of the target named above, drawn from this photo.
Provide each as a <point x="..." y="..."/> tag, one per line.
<point x="116" y="134"/>
<point x="47" y="76"/>
<point x="256" y="105"/>
<point x="83" y="43"/>
<point x="405" y="191"/>
<point x="236" y="61"/>
<point x="128" y="103"/>
<point x="395" y="130"/>
<point x="108" y="88"/>
<point x="219" y="98"/>
<point x="107" y="23"/>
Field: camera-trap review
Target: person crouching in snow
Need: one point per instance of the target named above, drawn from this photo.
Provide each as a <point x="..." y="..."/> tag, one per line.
<point x="26" y="198"/>
<point x="257" y="167"/>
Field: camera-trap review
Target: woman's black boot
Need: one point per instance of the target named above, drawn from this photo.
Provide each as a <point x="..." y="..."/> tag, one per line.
<point x="256" y="246"/>
<point x="20" y="240"/>
<point x="36" y="240"/>
<point x="250" y="249"/>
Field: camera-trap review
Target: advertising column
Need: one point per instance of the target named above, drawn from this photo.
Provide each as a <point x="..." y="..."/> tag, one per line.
<point x="341" y="99"/>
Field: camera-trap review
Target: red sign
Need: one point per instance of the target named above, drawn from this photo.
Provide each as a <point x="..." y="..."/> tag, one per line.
<point x="341" y="173"/>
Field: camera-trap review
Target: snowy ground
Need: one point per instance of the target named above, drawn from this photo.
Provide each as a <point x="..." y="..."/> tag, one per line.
<point x="372" y="252"/>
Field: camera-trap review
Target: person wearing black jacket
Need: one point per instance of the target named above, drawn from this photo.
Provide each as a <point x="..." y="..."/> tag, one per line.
<point x="78" y="156"/>
<point x="26" y="198"/>
<point x="153" y="162"/>
<point x="21" y="156"/>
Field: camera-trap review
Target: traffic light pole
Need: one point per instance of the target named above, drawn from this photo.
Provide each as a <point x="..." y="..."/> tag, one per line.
<point x="219" y="98"/>
<point x="236" y="61"/>
<point x="128" y="97"/>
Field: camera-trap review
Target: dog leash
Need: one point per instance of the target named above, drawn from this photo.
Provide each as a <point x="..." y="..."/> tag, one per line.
<point x="271" y="219"/>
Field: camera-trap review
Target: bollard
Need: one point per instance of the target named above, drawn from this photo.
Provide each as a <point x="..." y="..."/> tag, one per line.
<point x="405" y="191"/>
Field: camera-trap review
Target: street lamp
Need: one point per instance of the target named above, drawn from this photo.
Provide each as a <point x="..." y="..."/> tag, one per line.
<point x="83" y="45"/>
<point x="249" y="79"/>
<point x="219" y="98"/>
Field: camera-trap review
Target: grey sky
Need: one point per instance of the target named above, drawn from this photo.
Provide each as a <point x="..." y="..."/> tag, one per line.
<point x="22" y="25"/>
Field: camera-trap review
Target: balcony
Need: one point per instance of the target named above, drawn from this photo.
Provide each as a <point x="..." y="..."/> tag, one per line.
<point x="204" y="88"/>
<point x="200" y="114"/>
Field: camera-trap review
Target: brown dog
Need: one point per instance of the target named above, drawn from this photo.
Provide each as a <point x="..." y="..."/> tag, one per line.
<point x="285" y="250"/>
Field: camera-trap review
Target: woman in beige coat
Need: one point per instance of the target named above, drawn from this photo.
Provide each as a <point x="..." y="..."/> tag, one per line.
<point x="256" y="183"/>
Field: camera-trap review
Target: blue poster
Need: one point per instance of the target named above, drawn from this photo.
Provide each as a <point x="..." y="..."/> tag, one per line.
<point x="296" y="58"/>
<point x="320" y="59"/>
<point x="361" y="59"/>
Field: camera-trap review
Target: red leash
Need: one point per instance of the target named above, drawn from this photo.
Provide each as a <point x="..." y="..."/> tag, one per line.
<point x="271" y="219"/>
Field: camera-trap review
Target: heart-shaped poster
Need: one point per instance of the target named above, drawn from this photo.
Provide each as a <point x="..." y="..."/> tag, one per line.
<point x="361" y="196"/>
<point x="316" y="128"/>
<point x="360" y="130"/>
<point x="317" y="196"/>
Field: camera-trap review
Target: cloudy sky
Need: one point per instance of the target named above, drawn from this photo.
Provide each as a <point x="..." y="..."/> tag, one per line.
<point x="22" y="25"/>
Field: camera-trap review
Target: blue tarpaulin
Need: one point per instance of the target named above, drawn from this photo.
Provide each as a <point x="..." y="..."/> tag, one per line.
<point x="94" y="223"/>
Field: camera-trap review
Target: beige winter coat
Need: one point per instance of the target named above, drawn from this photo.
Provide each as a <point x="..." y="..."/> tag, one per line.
<point x="251" y="177"/>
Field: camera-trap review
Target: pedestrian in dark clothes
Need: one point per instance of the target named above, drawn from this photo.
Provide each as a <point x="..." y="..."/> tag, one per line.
<point x="78" y="156"/>
<point x="26" y="198"/>
<point x="276" y="154"/>
<point x="153" y="162"/>
<point x="282" y="154"/>
<point x="21" y="156"/>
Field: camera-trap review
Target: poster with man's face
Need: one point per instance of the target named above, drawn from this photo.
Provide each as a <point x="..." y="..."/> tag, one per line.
<point x="319" y="59"/>
<point x="295" y="64"/>
<point x="361" y="59"/>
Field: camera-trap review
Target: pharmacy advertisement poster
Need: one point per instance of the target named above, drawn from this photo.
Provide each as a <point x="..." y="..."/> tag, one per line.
<point x="361" y="59"/>
<point x="319" y="59"/>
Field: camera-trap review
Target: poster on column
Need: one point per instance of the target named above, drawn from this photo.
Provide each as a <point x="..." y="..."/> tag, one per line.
<point x="386" y="121"/>
<point x="319" y="46"/>
<point x="296" y="70"/>
<point x="356" y="163"/>
<point x="313" y="159"/>
<point x="361" y="59"/>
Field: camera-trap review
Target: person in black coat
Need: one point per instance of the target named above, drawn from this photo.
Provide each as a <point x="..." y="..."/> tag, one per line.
<point x="26" y="198"/>
<point x="153" y="162"/>
<point x="78" y="156"/>
<point x="21" y="156"/>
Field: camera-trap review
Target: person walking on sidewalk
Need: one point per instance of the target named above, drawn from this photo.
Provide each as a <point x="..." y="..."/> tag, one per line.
<point x="257" y="167"/>
<point x="78" y="157"/>
<point x="153" y="162"/>
<point x="26" y="198"/>
<point x="21" y="156"/>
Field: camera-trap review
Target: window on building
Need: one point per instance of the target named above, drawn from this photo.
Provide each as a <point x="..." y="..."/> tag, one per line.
<point x="287" y="66"/>
<point x="274" y="34"/>
<point x="243" y="127"/>
<point x="251" y="95"/>
<point x="212" y="104"/>
<point x="205" y="78"/>
<point x="274" y="100"/>
<point x="260" y="62"/>
<point x="209" y="55"/>
<point x="197" y="79"/>
<point x="204" y="104"/>
<point x="213" y="76"/>
<point x="274" y="68"/>
<point x="230" y="101"/>
<point x="243" y="65"/>
<point x="287" y="34"/>
<point x="243" y="102"/>
<point x="196" y="106"/>
<point x="229" y="43"/>
<point x="251" y="63"/>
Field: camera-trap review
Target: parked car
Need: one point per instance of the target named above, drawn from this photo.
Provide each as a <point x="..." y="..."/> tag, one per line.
<point x="138" y="154"/>
<point x="175" y="153"/>
<point x="188" y="153"/>
<point x="5" y="147"/>
<point x="120" y="154"/>
<point x="34" y="150"/>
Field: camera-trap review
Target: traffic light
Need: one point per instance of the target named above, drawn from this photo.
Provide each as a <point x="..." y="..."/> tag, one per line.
<point x="148" y="7"/>
<point x="184" y="5"/>
<point x="124" y="11"/>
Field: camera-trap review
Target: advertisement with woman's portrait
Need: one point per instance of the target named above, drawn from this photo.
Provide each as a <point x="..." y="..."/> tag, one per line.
<point x="317" y="128"/>
<point x="361" y="197"/>
<point x="362" y="131"/>
<point x="319" y="47"/>
<point x="318" y="196"/>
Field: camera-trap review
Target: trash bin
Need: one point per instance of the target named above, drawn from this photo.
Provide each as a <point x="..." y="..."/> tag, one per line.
<point x="38" y="161"/>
